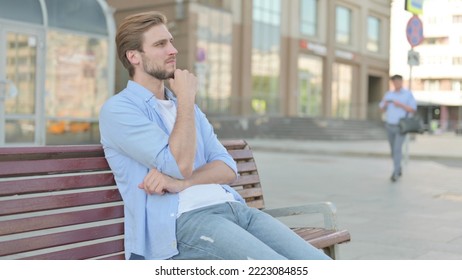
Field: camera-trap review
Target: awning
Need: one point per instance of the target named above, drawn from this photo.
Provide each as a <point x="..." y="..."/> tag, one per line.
<point x="445" y="98"/>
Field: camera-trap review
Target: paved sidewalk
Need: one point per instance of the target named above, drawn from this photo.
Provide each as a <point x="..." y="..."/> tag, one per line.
<point x="425" y="146"/>
<point x="417" y="217"/>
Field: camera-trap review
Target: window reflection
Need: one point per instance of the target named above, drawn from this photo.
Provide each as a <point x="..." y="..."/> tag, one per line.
<point x="310" y="85"/>
<point x="343" y="25"/>
<point x="373" y="34"/>
<point x="342" y="82"/>
<point x="21" y="56"/>
<point x="213" y="60"/>
<point x="76" y="86"/>
<point x="19" y="131"/>
<point x="265" y="56"/>
<point x="308" y="17"/>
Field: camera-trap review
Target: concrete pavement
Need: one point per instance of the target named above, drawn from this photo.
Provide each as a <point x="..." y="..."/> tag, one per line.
<point x="418" y="217"/>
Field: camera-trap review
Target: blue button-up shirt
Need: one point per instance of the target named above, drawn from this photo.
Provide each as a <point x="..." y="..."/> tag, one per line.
<point x="395" y="113"/>
<point x="135" y="140"/>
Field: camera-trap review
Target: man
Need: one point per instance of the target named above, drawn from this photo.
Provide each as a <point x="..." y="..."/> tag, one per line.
<point x="170" y="168"/>
<point x="397" y="104"/>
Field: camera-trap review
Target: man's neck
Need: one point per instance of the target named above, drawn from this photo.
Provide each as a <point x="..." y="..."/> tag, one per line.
<point x="155" y="86"/>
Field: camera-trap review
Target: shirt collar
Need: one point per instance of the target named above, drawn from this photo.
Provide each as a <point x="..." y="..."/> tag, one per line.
<point x="145" y="94"/>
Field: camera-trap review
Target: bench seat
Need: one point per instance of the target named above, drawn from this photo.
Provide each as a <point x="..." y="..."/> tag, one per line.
<point x="61" y="202"/>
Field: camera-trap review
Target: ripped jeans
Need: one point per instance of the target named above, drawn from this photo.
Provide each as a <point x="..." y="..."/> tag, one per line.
<point x="234" y="231"/>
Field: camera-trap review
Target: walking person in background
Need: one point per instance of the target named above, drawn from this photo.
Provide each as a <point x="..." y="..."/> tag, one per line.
<point x="170" y="168"/>
<point x="397" y="103"/>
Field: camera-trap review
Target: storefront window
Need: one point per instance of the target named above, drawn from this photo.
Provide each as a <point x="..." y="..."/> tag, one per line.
<point x="342" y="90"/>
<point x="310" y="86"/>
<point x="213" y="60"/>
<point x="265" y="56"/>
<point x="57" y="71"/>
<point x="76" y="85"/>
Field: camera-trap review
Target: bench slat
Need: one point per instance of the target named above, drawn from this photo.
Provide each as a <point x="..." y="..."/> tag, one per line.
<point x="241" y="154"/>
<point x="50" y="152"/>
<point x="246" y="180"/>
<point x="246" y="167"/>
<point x="113" y="257"/>
<point x="84" y="252"/>
<point x="323" y="238"/>
<point x="25" y="205"/>
<point x="234" y="144"/>
<point x="51" y="166"/>
<point x="60" y="219"/>
<point x="37" y="185"/>
<point x="59" y="239"/>
<point x="251" y="193"/>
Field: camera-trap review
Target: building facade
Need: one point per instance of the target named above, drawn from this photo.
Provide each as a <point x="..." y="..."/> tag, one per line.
<point x="308" y="58"/>
<point x="291" y="58"/>
<point x="437" y="79"/>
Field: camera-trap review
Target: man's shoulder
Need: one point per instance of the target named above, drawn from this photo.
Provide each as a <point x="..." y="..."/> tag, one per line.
<point x="120" y="101"/>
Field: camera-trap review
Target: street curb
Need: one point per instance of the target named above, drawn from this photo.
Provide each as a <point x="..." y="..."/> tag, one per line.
<point x="256" y="147"/>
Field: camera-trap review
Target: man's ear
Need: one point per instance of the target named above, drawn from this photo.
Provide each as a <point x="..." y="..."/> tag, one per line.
<point x="133" y="56"/>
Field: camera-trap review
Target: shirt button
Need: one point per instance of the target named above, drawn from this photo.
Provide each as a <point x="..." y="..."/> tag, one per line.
<point x="172" y="215"/>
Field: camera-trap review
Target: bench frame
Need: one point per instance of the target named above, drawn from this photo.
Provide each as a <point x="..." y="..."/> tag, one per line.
<point x="61" y="202"/>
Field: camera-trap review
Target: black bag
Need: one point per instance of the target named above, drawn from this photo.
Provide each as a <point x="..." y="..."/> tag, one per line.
<point x="411" y="124"/>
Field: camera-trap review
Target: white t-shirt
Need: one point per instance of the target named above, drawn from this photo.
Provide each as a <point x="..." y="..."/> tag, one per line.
<point x="196" y="196"/>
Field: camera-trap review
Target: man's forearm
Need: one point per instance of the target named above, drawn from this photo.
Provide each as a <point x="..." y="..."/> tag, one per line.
<point x="182" y="141"/>
<point x="215" y="172"/>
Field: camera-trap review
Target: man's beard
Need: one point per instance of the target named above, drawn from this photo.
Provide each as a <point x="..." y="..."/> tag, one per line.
<point x="156" y="72"/>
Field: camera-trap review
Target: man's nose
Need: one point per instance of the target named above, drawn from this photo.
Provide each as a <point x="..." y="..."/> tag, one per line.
<point x="172" y="49"/>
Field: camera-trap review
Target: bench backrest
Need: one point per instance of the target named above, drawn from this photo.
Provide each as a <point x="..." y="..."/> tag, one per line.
<point x="61" y="202"/>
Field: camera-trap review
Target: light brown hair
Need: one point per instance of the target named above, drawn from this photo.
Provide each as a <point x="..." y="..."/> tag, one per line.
<point x="130" y="34"/>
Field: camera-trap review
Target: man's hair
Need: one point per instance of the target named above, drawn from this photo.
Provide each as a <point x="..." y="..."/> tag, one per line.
<point x="396" y="77"/>
<point x="130" y="34"/>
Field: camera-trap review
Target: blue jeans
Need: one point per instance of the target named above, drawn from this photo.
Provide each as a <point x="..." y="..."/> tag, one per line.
<point x="234" y="231"/>
<point x="396" y="140"/>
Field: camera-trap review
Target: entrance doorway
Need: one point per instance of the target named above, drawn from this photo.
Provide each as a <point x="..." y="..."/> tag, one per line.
<point x="21" y="85"/>
<point x="374" y="95"/>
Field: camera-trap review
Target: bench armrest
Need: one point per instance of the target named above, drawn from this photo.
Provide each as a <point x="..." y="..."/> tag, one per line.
<point x="327" y="209"/>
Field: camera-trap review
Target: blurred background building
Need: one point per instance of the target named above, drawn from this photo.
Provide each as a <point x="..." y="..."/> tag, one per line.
<point x="296" y="63"/>
<point x="265" y="65"/>
<point x="436" y="81"/>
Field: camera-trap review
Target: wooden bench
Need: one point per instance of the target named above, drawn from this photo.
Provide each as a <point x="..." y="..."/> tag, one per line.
<point x="61" y="202"/>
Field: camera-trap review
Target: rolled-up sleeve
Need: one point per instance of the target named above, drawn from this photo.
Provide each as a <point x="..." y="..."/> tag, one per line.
<point x="214" y="150"/>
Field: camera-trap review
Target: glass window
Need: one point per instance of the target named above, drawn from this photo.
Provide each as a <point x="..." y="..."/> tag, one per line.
<point x="310" y="85"/>
<point x="309" y="17"/>
<point x="431" y="85"/>
<point x="213" y="60"/>
<point x="457" y="60"/>
<point x="342" y="82"/>
<point x="22" y="10"/>
<point x="343" y="25"/>
<point x="76" y="86"/>
<point x="456" y="85"/>
<point x="265" y="56"/>
<point x="21" y="70"/>
<point x="82" y="15"/>
<point x="220" y="4"/>
<point x="457" y="18"/>
<point x="373" y="34"/>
